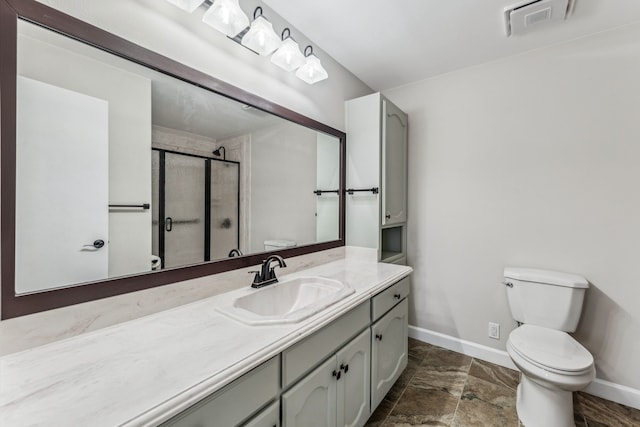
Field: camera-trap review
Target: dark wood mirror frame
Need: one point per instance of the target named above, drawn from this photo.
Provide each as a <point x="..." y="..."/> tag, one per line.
<point x="30" y="10"/>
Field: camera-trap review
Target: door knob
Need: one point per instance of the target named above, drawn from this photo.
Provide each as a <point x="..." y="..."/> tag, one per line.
<point x="96" y="244"/>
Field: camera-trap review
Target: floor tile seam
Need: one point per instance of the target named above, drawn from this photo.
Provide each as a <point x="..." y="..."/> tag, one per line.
<point x="404" y="389"/>
<point x="384" y="422"/>
<point x="515" y="389"/>
<point x="490" y="383"/>
<point x="470" y="363"/>
<point x="455" y="413"/>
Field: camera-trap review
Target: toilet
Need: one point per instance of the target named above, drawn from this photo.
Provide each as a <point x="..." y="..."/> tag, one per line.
<point x="278" y="244"/>
<point x="547" y="305"/>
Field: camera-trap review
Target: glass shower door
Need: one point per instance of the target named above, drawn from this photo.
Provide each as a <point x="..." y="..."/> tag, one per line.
<point x="184" y="210"/>
<point x="225" y="181"/>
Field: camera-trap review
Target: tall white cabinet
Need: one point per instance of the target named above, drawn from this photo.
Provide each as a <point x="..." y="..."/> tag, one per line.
<point x="377" y="133"/>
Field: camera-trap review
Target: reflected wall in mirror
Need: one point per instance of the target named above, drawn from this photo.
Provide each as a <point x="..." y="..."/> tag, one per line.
<point x="122" y="170"/>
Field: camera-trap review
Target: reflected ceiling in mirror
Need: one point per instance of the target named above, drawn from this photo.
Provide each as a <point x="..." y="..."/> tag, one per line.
<point x="128" y="175"/>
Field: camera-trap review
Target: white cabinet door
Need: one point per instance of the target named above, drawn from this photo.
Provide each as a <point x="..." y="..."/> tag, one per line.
<point x="389" y="351"/>
<point x="62" y="187"/>
<point x="394" y="164"/>
<point x="353" y="387"/>
<point x="312" y="402"/>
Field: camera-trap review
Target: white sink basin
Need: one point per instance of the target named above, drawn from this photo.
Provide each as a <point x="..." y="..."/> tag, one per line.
<point x="287" y="302"/>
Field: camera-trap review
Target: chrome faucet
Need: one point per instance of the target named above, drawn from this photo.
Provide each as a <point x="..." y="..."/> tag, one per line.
<point x="267" y="275"/>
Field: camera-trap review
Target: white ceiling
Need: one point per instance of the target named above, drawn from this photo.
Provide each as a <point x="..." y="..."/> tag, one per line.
<point x="394" y="42"/>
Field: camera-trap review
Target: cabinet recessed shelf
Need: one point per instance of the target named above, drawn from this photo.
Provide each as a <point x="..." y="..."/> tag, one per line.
<point x="388" y="256"/>
<point x="392" y="243"/>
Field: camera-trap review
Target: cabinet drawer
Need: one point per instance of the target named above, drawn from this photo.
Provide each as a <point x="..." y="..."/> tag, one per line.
<point x="386" y="299"/>
<point x="303" y="356"/>
<point x="269" y="417"/>
<point x="235" y="402"/>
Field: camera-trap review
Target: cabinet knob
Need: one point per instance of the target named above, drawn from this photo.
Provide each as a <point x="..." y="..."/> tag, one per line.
<point x="388" y="216"/>
<point x="379" y="337"/>
<point x="344" y="367"/>
<point x="336" y="374"/>
<point x="397" y="296"/>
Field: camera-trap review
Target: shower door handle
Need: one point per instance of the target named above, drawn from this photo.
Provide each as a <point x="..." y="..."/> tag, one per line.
<point x="168" y="224"/>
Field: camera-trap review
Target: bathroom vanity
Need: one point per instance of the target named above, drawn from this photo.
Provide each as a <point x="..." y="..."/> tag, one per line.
<point x="194" y="365"/>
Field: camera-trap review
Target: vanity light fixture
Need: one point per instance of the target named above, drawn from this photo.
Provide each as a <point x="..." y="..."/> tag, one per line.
<point x="188" y="5"/>
<point x="258" y="36"/>
<point x="226" y="17"/>
<point x="312" y="71"/>
<point x="261" y="38"/>
<point x="288" y="56"/>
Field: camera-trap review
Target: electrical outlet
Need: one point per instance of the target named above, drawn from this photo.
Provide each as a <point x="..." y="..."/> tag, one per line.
<point x="494" y="330"/>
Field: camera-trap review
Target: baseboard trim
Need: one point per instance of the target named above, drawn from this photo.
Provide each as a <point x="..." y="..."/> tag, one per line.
<point x="605" y="389"/>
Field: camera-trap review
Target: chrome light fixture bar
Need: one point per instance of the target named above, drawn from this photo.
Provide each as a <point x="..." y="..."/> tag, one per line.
<point x="187" y="5"/>
<point x="312" y="71"/>
<point x="288" y="56"/>
<point x="227" y="17"/>
<point x="261" y="37"/>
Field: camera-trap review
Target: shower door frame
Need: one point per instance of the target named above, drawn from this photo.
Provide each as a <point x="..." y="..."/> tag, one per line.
<point x="207" y="201"/>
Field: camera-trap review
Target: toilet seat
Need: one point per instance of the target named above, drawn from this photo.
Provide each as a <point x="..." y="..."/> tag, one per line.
<point x="551" y="350"/>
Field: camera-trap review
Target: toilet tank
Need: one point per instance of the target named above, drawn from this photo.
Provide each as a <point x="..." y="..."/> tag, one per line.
<point x="545" y="298"/>
<point x="278" y="244"/>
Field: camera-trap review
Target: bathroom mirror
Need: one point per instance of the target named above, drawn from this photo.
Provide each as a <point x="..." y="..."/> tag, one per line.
<point x="123" y="170"/>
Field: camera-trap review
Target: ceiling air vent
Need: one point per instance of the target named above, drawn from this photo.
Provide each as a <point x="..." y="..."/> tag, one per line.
<point x="527" y="16"/>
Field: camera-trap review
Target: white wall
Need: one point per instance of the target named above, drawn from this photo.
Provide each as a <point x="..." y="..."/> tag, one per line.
<point x="165" y="29"/>
<point x="283" y="178"/>
<point x="530" y="161"/>
<point x="327" y="205"/>
<point x="129" y="98"/>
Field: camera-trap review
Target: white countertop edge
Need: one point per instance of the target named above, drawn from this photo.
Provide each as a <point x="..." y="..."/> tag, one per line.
<point x="191" y="396"/>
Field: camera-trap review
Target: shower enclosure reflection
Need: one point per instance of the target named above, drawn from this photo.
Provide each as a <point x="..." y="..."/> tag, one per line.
<point x="200" y="174"/>
<point x="195" y="211"/>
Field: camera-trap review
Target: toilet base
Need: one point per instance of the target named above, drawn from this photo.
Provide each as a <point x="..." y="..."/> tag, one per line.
<point x="539" y="406"/>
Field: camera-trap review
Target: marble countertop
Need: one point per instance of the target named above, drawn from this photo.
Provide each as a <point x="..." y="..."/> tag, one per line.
<point x="142" y="372"/>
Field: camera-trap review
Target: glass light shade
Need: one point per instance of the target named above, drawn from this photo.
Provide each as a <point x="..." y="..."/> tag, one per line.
<point x="288" y="56"/>
<point x="312" y="71"/>
<point x="188" y="5"/>
<point x="261" y="38"/>
<point x="226" y="17"/>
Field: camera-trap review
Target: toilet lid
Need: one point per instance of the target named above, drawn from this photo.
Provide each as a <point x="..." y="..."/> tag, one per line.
<point x="549" y="348"/>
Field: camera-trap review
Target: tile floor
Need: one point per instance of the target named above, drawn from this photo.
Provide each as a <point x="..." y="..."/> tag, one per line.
<point x="444" y="388"/>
